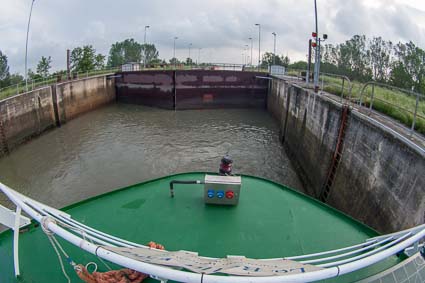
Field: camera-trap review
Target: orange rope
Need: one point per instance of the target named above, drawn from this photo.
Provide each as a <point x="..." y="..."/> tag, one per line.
<point x="125" y="275"/>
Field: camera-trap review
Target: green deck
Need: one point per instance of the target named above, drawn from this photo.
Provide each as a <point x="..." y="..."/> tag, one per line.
<point x="270" y="221"/>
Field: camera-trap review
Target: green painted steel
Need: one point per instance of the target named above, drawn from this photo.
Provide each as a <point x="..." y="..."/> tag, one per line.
<point x="270" y="221"/>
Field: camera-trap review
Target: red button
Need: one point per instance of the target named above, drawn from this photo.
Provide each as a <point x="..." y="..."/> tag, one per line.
<point x="230" y="194"/>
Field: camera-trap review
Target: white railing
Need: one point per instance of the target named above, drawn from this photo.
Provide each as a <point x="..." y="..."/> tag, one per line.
<point x="329" y="263"/>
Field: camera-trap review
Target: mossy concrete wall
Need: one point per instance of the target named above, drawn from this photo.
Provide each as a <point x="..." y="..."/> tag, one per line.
<point x="380" y="178"/>
<point x="29" y="114"/>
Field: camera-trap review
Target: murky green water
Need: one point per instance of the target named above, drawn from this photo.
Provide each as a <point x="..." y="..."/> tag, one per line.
<point x="121" y="145"/>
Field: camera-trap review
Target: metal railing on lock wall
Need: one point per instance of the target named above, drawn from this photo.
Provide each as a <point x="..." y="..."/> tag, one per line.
<point x="337" y="84"/>
<point x="19" y="88"/>
<point x="405" y="106"/>
<point x="396" y="103"/>
<point x="196" y="66"/>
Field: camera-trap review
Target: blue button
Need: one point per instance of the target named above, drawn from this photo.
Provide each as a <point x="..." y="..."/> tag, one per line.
<point x="220" y="194"/>
<point x="210" y="193"/>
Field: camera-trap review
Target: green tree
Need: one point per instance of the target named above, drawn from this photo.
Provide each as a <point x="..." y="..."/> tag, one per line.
<point x="33" y="76"/>
<point x="149" y="53"/>
<point x="410" y="62"/>
<point x="380" y="58"/>
<point x="400" y="77"/>
<point x="299" y="65"/>
<point x="354" y="58"/>
<point x="269" y="58"/>
<point x="286" y="61"/>
<point x="126" y="51"/>
<point x="85" y="59"/>
<point x="43" y="66"/>
<point x="99" y="61"/>
<point x="15" y="79"/>
<point x="4" y="70"/>
<point x="174" y="61"/>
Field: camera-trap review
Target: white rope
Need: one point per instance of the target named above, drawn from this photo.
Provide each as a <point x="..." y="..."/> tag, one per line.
<point x="84" y="235"/>
<point x="52" y="240"/>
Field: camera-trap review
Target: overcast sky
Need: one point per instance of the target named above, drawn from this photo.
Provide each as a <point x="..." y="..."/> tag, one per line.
<point x="220" y="27"/>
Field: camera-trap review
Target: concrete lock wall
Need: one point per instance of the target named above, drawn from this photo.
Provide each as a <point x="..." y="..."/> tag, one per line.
<point x="29" y="114"/>
<point x="24" y="116"/>
<point x="193" y="89"/>
<point x="83" y="95"/>
<point x="379" y="179"/>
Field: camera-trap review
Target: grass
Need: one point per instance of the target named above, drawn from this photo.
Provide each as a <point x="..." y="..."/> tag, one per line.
<point x="391" y="102"/>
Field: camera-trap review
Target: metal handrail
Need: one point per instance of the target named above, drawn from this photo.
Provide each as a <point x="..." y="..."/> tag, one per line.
<point x="344" y="78"/>
<point x="406" y="239"/>
<point x="405" y="91"/>
<point x="42" y="82"/>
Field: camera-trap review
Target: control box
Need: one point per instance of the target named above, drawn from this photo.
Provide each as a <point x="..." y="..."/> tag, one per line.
<point x="224" y="190"/>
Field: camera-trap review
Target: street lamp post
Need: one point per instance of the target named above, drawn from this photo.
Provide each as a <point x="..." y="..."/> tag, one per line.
<point x="246" y="49"/>
<point x="26" y="48"/>
<point x="190" y="46"/>
<point x="199" y="56"/>
<point x="174" y="52"/>
<point x="259" y="45"/>
<point x="144" y="59"/>
<point x="274" y="49"/>
<point x="251" y="48"/>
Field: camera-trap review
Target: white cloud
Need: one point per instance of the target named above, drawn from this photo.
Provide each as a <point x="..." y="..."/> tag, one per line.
<point x="221" y="27"/>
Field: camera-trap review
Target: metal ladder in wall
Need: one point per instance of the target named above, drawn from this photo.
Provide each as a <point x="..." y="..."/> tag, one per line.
<point x="336" y="158"/>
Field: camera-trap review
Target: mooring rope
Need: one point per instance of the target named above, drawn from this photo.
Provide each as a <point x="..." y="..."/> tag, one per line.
<point x="81" y="270"/>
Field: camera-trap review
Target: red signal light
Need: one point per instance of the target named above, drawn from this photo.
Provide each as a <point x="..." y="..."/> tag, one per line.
<point x="314" y="44"/>
<point x="313" y="34"/>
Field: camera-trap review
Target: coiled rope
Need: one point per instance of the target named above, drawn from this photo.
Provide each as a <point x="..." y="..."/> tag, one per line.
<point x="120" y="276"/>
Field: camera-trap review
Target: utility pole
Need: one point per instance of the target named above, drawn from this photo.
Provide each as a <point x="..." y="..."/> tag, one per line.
<point x="199" y="56"/>
<point x="26" y="48"/>
<point x="144" y="59"/>
<point x="259" y="45"/>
